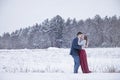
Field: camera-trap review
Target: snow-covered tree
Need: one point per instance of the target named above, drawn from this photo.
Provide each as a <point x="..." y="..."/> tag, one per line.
<point x="102" y="32"/>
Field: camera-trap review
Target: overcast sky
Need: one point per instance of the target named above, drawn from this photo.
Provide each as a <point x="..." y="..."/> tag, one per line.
<point x="15" y="14"/>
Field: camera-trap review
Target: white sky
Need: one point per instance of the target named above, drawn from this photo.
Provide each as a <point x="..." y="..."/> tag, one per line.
<point x="15" y="14"/>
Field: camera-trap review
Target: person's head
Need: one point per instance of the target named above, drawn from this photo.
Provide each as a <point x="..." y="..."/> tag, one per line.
<point x="79" y="34"/>
<point x="82" y="36"/>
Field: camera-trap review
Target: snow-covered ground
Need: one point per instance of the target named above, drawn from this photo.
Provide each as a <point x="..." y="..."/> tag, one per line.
<point x="59" y="76"/>
<point x="57" y="64"/>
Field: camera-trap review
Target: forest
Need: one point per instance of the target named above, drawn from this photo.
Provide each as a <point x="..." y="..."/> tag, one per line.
<point x="58" y="32"/>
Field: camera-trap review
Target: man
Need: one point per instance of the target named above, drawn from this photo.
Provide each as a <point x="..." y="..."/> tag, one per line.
<point x="75" y="52"/>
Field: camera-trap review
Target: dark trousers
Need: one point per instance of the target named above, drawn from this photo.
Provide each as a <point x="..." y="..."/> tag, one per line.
<point x="76" y="63"/>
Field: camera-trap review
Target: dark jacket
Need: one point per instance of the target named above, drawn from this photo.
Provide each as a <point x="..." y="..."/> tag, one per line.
<point x="75" y="47"/>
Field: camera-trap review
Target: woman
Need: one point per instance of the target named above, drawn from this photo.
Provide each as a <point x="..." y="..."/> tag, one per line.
<point x="82" y="54"/>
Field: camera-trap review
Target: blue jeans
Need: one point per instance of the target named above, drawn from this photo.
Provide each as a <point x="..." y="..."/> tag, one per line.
<point x="76" y="63"/>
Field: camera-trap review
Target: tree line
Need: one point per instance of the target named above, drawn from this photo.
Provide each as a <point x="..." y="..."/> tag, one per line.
<point x="58" y="32"/>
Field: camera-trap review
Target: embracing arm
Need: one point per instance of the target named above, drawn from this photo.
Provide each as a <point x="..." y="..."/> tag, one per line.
<point x="75" y="44"/>
<point x="83" y="43"/>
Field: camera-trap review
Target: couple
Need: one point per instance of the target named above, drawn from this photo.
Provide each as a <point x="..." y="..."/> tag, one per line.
<point x="79" y="54"/>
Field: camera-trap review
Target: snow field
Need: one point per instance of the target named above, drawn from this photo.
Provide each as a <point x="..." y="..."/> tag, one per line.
<point x="55" y="60"/>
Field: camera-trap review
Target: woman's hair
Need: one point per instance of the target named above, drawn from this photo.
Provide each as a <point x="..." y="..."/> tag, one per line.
<point x="86" y="38"/>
